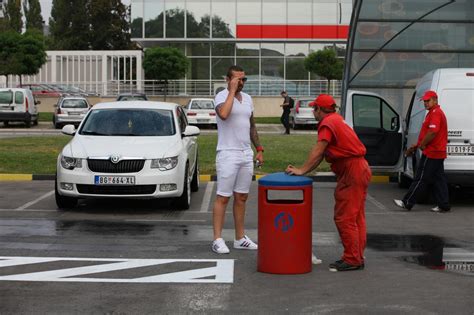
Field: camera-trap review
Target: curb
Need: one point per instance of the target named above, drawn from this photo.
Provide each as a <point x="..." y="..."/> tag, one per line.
<point x="320" y="178"/>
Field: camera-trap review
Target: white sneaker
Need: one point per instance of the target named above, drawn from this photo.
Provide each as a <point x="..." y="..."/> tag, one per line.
<point x="315" y="260"/>
<point x="219" y="246"/>
<point x="245" y="243"/>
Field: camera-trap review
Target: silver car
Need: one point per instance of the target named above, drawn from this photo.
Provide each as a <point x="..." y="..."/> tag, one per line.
<point x="302" y="113"/>
<point x="70" y="110"/>
<point x="201" y="111"/>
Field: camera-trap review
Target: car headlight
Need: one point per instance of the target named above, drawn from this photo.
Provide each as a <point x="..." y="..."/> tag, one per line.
<point x="165" y="164"/>
<point x="70" y="163"/>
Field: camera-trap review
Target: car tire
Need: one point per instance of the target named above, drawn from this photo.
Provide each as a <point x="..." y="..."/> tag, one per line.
<point x="293" y="125"/>
<point x="63" y="202"/>
<point x="403" y="180"/>
<point x="183" y="202"/>
<point x="6" y="123"/>
<point x="195" y="180"/>
<point x="28" y="123"/>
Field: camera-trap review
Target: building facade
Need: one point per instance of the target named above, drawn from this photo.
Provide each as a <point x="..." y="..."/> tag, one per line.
<point x="268" y="38"/>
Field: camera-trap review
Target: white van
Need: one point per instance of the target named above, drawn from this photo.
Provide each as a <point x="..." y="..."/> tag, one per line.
<point x="18" y="105"/>
<point x="381" y="129"/>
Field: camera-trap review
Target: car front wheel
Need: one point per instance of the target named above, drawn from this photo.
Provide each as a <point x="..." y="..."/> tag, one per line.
<point x="195" y="180"/>
<point x="183" y="201"/>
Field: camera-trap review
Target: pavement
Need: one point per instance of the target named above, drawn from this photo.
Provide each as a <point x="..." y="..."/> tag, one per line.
<point x="125" y="257"/>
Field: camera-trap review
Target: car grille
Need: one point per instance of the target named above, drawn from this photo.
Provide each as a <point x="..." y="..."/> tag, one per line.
<point x="116" y="190"/>
<point x="124" y="166"/>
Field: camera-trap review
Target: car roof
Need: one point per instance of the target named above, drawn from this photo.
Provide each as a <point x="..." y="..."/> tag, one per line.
<point x="201" y="99"/>
<point x="135" y="105"/>
<point x="15" y="89"/>
<point x="74" y="97"/>
<point x="131" y="94"/>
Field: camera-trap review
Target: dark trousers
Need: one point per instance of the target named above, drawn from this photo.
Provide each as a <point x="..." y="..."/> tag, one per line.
<point x="285" y="120"/>
<point x="429" y="173"/>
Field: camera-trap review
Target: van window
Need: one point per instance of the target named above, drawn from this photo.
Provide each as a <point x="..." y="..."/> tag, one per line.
<point x="6" y="97"/>
<point x="373" y="112"/>
<point x="19" y="97"/>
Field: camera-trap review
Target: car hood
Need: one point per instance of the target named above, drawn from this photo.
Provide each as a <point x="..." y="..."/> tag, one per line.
<point x="139" y="147"/>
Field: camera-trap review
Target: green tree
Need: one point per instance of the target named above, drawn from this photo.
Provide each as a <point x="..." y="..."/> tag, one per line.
<point x="109" y="25"/>
<point x="9" y="41"/>
<point x="325" y="64"/>
<point x="164" y="64"/>
<point x="32" y="10"/>
<point x="12" y="16"/>
<point x="31" y="54"/>
<point x="69" y="25"/>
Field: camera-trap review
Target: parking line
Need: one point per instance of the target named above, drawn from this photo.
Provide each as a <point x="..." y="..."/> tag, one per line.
<point x="207" y="197"/>
<point x="375" y="202"/>
<point x="157" y="220"/>
<point x="26" y="205"/>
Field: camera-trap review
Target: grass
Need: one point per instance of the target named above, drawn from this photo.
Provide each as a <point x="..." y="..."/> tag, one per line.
<point x="46" y="116"/>
<point x="37" y="155"/>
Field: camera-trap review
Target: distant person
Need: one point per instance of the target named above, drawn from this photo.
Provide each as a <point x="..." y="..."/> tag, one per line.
<point x="432" y="142"/>
<point x="287" y="105"/>
<point x="340" y="146"/>
<point x="236" y="131"/>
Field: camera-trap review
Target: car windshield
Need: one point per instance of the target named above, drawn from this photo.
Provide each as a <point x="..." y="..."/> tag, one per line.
<point x="6" y="97"/>
<point x="132" y="98"/>
<point x="202" y="104"/>
<point x="305" y="103"/>
<point x="74" y="103"/>
<point x="129" y="122"/>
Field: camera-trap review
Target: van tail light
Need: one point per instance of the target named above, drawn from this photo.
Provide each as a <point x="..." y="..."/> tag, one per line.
<point x="212" y="114"/>
<point x="59" y="111"/>
<point x="26" y="104"/>
<point x="470" y="74"/>
<point x="192" y="114"/>
<point x="298" y="107"/>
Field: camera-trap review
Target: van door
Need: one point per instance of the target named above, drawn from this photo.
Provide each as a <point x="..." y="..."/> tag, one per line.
<point x="379" y="128"/>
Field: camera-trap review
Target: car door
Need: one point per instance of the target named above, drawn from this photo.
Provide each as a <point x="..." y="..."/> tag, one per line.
<point x="188" y="142"/>
<point x="379" y="128"/>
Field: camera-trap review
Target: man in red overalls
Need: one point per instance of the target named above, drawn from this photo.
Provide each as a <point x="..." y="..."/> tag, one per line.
<point x="341" y="147"/>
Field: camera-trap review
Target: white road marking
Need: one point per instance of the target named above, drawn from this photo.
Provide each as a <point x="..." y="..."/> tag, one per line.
<point x="158" y="220"/>
<point x="28" y="210"/>
<point x="375" y="202"/>
<point x="26" y="205"/>
<point x="223" y="272"/>
<point x="207" y="197"/>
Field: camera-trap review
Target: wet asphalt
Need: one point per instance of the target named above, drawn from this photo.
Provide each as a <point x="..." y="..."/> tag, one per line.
<point x="417" y="262"/>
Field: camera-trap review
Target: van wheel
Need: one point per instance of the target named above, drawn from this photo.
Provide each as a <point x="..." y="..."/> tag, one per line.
<point x="403" y="180"/>
<point x="63" y="202"/>
<point x="28" y="123"/>
<point x="183" y="202"/>
<point x="6" y="123"/>
<point x="293" y="125"/>
<point x="35" y="122"/>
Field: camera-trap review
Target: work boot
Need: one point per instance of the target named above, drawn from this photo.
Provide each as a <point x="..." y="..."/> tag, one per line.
<point x="341" y="265"/>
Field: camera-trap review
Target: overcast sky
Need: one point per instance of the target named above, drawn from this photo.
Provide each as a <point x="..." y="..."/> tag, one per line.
<point x="47" y="4"/>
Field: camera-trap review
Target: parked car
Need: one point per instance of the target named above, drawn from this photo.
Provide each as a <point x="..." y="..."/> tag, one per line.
<point x="201" y="111"/>
<point x="70" y="110"/>
<point x="73" y="90"/>
<point x="131" y="149"/>
<point x="41" y="90"/>
<point x="18" y="105"/>
<point x="132" y="97"/>
<point x="302" y="113"/>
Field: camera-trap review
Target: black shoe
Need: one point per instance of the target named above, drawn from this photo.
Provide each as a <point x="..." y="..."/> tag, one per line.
<point x="401" y="204"/>
<point x="343" y="266"/>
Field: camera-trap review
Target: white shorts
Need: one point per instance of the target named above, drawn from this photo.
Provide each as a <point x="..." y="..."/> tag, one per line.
<point x="234" y="171"/>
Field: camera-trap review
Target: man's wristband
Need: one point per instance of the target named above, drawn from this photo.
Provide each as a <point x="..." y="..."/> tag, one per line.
<point x="259" y="148"/>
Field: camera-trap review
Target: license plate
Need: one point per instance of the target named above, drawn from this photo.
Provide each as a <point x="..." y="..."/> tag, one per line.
<point x="74" y="113"/>
<point x="460" y="149"/>
<point x="202" y="120"/>
<point x="114" y="180"/>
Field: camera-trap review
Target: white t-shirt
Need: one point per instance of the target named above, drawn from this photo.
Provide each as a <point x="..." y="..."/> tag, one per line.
<point x="234" y="132"/>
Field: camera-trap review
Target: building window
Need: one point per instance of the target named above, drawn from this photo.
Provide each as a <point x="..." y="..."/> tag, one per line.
<point x="154" y="19"/>
<point x="198" y="18"/>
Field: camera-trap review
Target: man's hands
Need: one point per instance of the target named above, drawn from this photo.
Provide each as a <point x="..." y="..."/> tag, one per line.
<point x="259" y="157"/>
<point x="291" y="170"/>
<point x="411" y="150"/>
<point x="234" y="83"/>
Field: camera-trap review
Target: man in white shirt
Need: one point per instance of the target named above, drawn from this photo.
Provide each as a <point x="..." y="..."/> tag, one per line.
<point x="236" y="131"/>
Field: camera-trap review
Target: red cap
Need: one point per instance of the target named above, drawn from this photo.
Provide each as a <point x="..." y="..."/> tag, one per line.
<point x="428" y="95"/>
<point x="323" y="100"/>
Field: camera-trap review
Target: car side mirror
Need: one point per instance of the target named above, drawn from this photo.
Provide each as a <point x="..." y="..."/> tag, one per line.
<point x="394" y="123"/>
<point x="69" y="130"/>
<point x="191" y="131"/>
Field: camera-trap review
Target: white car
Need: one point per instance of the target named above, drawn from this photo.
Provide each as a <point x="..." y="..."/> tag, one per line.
<point x="18" y="105"/>
<point x="132" y="149"/>
<point x="201" y="111"/>
<point x="70" y="110"/>
<point x="302" y="113"/>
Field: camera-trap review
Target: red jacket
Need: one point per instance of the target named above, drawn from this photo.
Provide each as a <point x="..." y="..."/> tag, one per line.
<point x="435" y="121"/>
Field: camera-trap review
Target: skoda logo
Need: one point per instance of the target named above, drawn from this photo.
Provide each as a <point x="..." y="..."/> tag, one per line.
<point x="114" y="159"/>
<point x="283" y="222"/>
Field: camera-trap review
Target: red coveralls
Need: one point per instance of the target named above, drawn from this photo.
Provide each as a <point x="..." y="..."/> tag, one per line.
<point x="346" y="153"/>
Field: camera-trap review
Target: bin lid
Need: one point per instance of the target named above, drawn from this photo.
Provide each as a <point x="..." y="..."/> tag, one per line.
<point x="283" y="179"/>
